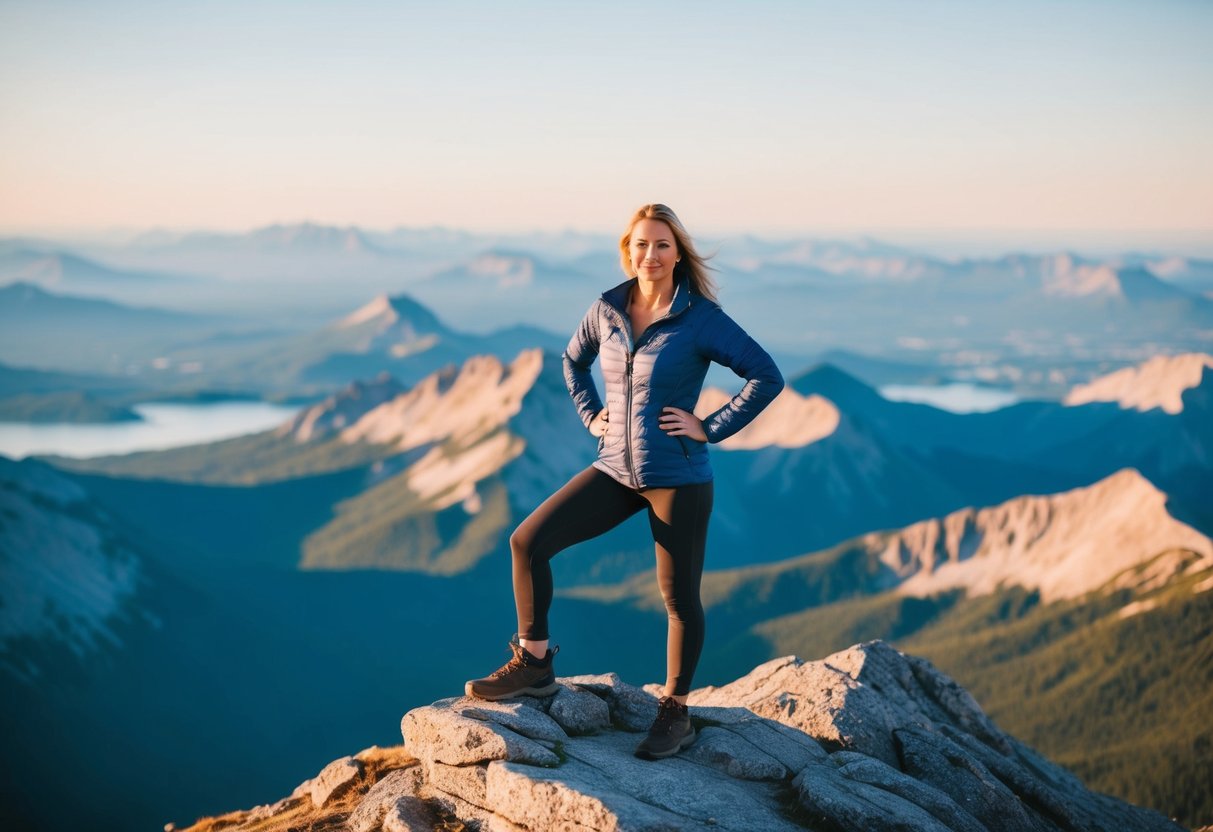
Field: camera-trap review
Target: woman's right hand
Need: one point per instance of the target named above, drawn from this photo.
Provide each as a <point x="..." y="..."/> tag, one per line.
<point x="599" y="424"/>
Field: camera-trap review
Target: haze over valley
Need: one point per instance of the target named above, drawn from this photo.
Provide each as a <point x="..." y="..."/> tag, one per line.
<point x="281" y="578"/>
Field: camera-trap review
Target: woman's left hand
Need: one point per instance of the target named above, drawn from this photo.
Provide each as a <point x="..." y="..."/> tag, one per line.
<point x="678" y="422"/>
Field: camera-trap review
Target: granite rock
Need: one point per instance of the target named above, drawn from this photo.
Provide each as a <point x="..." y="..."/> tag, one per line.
<point x="379" y="800"/>
<point x="578" y="711"/>
<point x="439" y="732"/>
<point x="333" y="780"/>
<point x="410" y="814"/>
<point x="866" y="739"/>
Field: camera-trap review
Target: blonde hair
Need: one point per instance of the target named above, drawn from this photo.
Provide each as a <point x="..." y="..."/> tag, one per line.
<point x="691" y="263"/>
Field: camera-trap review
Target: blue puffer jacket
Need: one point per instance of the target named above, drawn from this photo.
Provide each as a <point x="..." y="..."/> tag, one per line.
<point x="665" y="369"/>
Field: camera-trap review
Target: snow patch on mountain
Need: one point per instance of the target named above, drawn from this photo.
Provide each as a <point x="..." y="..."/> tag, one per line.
<point x="1159" y="382"/>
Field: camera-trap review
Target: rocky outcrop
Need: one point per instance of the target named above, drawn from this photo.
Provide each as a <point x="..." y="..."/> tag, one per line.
<point x="1159" y="382"/>
<point x="1063" y="545"/>
<point x="867" y="739"/>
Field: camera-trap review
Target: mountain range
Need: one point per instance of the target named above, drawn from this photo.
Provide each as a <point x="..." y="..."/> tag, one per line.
<point x="172" y="353"/>
<point x="505" y="437"/>
<point x="160" y="609"/>
<point x="46" y="331"/>
<point x="190" y="643"/>
<point x="1036" y="323"/>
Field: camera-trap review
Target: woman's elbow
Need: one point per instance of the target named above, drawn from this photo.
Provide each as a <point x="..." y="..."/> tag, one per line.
<point x="776" y="382"/>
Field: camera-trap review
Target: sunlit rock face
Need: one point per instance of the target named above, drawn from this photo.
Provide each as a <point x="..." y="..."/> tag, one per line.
<point x="1159" y="382"/>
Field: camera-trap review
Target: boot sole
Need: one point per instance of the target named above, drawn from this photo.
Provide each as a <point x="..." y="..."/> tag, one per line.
<point x="546" y="690"/>
<point x="686" y="742"/>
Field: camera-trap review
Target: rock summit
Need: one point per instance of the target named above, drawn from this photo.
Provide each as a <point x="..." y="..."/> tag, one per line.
<point x="866" y="739"/>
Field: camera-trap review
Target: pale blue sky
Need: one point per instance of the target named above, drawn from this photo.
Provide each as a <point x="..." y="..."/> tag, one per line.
<point x="767" y="117"/>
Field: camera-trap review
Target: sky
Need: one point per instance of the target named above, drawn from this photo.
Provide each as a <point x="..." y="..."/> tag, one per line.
<point x="1058" y="118"/>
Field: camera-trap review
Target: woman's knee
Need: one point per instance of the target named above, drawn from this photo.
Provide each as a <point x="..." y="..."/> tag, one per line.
<point x="522" y="544"/>
<point x="684" y="608"/>
<point x="526" y="549"/>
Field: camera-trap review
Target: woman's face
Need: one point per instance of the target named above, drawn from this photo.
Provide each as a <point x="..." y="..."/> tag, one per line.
<point x="653" y="251"/>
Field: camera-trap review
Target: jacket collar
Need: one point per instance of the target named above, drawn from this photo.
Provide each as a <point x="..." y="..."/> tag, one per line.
<point x="618" y="296"/>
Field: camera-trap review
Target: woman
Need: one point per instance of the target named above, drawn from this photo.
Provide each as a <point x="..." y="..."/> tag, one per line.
<point x="656" y="332"/>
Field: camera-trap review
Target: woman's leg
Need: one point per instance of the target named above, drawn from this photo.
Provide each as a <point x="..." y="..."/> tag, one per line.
<point x="586" y="506"/>
<point x="678" y="518"/>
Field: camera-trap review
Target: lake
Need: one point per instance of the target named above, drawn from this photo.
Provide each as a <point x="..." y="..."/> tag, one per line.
<point x="164" y="425"/>
<point x="958" y="397"/>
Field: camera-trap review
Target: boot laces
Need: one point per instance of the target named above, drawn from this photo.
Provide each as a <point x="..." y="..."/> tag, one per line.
<point x="516" y="662"/>
<point x="668" y="713"/>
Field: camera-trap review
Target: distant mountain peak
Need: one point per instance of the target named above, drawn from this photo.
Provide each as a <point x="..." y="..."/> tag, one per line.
<point x="1067" y="278"/>
<point x="1064" y="545"/>
<point x="23" y="298"/>
<point x="506" y="254"/>
<point x="65" y="271"/>
<point x="24" y="290"/>
<point x="386" y="311"/>
<point x="508" y="268"/>
<point x="1158" y="382"/>
<point x="309" y="235"/>
<point x="837" y="385"/>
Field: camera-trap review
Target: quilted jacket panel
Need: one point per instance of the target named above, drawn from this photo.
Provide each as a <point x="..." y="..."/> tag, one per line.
<point x="666" y="368"/>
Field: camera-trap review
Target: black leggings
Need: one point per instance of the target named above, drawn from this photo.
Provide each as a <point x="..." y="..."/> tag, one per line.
<point x="592" y="503"/>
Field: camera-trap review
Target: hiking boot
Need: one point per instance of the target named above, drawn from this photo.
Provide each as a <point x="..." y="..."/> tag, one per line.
<point x="522" y="675"/>
<point x="672" y="731"/>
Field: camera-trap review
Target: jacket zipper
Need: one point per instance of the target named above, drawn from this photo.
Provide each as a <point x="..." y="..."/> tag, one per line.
<point x="627" y="431"/>
<point x="685" y="452"/>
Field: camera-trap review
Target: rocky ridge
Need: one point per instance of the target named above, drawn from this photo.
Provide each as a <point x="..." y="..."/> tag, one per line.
<point x="1064" y="545"/>
<point x="868" y="738"/>
<point x="1159" y="382"/>
<point x="341" y="409"/>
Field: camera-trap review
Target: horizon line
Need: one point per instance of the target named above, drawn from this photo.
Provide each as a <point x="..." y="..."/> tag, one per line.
<point x="781" y="233"/>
